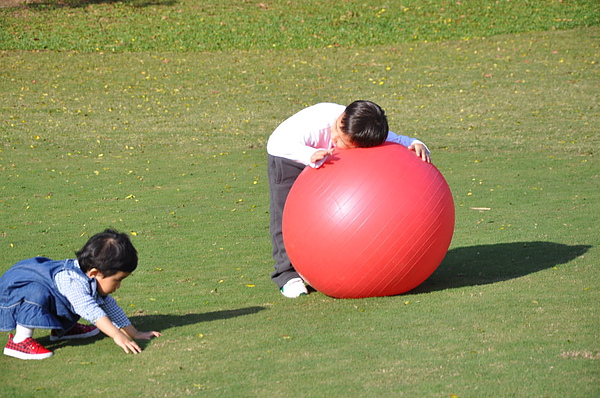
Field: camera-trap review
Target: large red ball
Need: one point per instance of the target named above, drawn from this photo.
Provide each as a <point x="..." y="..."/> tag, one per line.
<point x="369" y="222"/>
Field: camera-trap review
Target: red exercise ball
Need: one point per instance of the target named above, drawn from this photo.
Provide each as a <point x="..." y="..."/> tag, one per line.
<point x="369" y="222"/>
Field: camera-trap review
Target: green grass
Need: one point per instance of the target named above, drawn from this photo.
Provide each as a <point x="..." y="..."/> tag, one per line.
<point x="168" y="144"/>
<point x="184" y="26"/>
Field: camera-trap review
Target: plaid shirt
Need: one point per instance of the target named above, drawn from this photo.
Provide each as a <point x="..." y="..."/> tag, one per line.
<point x="82" y="293"/>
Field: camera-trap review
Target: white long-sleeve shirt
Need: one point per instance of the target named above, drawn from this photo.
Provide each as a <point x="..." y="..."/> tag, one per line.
<point x="302" y="134"/>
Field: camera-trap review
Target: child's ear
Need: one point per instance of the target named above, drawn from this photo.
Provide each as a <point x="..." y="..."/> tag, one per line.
<point x="92" y="273"/>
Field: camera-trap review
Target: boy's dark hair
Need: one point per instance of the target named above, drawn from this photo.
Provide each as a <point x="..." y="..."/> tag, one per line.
<point x="109" y="252"/>
<point x="365" y="123"/>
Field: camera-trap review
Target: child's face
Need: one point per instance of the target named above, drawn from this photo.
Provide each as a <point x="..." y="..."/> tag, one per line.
<point x="338" y="137"/>
<point x="109" y="284"/>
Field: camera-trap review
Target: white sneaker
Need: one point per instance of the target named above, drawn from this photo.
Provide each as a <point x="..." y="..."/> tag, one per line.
<point x="294" y="288"/>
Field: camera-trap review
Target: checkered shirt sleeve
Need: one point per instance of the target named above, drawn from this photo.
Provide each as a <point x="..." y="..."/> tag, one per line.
<point x="87" y="303"/>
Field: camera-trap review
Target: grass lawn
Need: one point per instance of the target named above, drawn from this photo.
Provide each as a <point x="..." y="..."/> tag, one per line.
<point x="152" y="118"/>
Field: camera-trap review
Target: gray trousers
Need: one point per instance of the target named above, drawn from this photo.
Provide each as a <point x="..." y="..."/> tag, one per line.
<point x="282" y="175"/>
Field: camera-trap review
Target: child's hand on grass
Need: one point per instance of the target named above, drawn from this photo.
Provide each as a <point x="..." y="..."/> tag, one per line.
<point x="125" y="340"/>
<point x="421" y="151"/>
<point x="121" y="337"/>
<point x="128" y="345"/>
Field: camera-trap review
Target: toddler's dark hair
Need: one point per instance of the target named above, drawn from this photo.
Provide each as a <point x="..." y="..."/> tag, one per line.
<point x="109" y="252"/>
<point x="365" y="123"/>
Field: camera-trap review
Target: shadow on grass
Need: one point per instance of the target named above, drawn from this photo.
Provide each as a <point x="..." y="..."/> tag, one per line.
<point x="53" y="345"/>
<point x="484" y="264"/>
<point x="163" y="322"/>
<point x="159" y="323"/>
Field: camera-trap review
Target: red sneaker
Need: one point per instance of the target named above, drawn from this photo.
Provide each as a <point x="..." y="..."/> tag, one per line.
<point x="78" y="331"/>
<point x="27" y="349"/>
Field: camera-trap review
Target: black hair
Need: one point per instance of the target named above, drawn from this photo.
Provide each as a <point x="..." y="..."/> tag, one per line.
<point x="365" y="123"/>
<point x="109" y="252"/>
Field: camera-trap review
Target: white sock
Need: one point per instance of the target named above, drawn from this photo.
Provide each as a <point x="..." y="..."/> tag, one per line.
<point x="22" y="333"/>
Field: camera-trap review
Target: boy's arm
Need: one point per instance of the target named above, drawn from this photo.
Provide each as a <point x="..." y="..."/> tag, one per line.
<point x="319" y="156"/>
<point x="292" y="148"/>
<point x="413" y="144"/>
<point x="421" y="151"/>
<point x="304" y="136"/>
